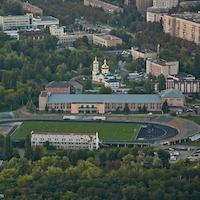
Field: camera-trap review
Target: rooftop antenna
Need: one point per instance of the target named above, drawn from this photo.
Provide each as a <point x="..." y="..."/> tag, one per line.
<point x="158" y="51"/>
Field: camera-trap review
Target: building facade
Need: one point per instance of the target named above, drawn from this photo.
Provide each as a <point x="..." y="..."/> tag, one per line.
<point x="185" y="26"/>
<point x="165" y="3"/>
<point x="16" y="22"/>
<point x="142" y="5"/>
<point x="66" y="141"/>
<point x="188" y="85"/>
<point x="157" y="67"/>
<point x="107" y="7"/>
<point x="142" y="53"/>
<point x="56" y="30"/>
<point x="106" y="40"/>
<point x="156" y="14"/>
<point x="101" y="104"/>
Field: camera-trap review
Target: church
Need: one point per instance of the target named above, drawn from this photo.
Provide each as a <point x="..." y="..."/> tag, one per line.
<point x="103" y="75"/>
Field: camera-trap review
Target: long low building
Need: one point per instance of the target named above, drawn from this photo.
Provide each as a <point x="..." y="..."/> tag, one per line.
<point x="66" y="140"/>
<point x="104" y="103"/>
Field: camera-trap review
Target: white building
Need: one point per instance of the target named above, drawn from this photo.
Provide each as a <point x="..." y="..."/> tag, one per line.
<point x="56" y="30"/>
<point x="66" y="141"/>
<point x="103" y="75"/>
<point x="45" y="21"/>
<point x="16" y="22"/>
<point x="27" y="21"/>
<point x="165" y="3"/>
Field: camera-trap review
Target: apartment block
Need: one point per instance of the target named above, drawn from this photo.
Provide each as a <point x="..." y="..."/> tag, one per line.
<point x="185" y="26"/>
<point x="107" y="7"/>
<point x="143" y="4"/>
<point x="156" y="14"/>
<point x="165" y="3"/>
<point x="157" y="67"/>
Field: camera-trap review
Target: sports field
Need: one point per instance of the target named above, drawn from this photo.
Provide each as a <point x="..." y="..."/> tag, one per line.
<point x="107" y="131"/>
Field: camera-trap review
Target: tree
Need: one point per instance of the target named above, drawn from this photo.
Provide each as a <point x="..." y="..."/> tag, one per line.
<point x="165" y="107"/>
<point x="8" y="150"/>
<point x="164" y="157"/>
<point x="30" y="106"/>
<point x="161" y="82"/>
<point x="126" y="109"/>
<point x="105" y="90"/>
<point x="28" y="148"/>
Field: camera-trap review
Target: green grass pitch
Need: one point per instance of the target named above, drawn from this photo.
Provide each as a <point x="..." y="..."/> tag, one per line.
<point x="107" y="131"/>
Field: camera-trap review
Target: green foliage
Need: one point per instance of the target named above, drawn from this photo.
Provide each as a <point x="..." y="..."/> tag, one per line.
<point x="8" y="150"/>
<point x="126" y="109"/>
<point x="28" y="148"/>
<point x="161" y="82"/>
<point x="72" y="175"/>
<point x="165" y="107"/>
<point x="105" y="90"/>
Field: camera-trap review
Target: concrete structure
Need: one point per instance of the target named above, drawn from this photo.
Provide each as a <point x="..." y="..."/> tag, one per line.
<point x="16" y="22"/>
<point x="189" y="4"/>
<point x="155" y="14"/>
<point x="187" y="84"/>
<point x="103" y="75"/>
<point x="107" y="7"/>
<point x="165" y="3"/>
<point x="26" y="6"/>
<point x="185" y="26"/>
<point x="142" y="53"/>
<point x="101" y="104"/>
<point x="106" y="40"/>
<point x="68" y="39"/>
<point x="143" y="4"/>
<point x="33" y="34"/>
<point x="174" y="98"/>
<point x="66" y="140"/>
<point x="58" y="87"/>
<point x="24" y="22"/>
<point x="56" y="30"/>
<point x="159" y="66"/>
<point x="45" y="21"/>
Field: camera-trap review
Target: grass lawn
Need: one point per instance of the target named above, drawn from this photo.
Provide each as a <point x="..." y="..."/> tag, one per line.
<point x="193" y="118"/>
<point x="107" y="131"/>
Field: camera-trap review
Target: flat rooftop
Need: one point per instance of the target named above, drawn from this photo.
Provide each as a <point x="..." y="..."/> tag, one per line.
<point x="142" y="50"/>
<point x="108" y="37"/>
<point x="193" y="17"/>
<point x="104" y="98"/>
<point x="161" y="61"/>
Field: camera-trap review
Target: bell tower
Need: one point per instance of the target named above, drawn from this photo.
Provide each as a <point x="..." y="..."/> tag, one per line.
<point x="95" y="69"/>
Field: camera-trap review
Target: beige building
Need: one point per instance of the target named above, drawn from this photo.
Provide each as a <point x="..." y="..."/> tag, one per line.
<point x="165" y="3"/>
<point x="106" y="40"/>
<point x="185" y="26"/>
<point x="173" y="97"/>
<point x="142" y="53"/>
<point x="159" y="66"/>
<point x="155" y="14"/>
<point x="107" y="7"/>
<point x="56" y="30"/>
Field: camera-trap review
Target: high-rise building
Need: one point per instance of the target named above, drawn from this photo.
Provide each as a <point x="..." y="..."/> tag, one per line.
<point x="185" y="26"/>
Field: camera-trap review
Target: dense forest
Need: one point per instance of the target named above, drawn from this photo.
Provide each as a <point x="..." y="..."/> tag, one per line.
<point x="114" y="174"/>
